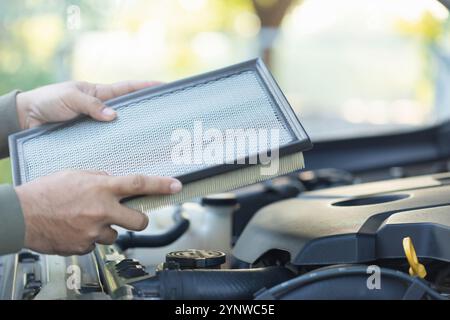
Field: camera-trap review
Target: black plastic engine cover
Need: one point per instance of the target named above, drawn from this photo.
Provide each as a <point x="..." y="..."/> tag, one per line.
<point x="355" y="224"/>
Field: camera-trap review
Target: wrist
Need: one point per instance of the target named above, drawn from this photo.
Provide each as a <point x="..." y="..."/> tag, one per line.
<point x="25" y="211"/>
<point x="22" y="108"/>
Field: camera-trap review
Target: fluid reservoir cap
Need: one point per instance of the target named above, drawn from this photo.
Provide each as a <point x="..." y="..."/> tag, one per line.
<point x="220" y="199"/>
<point x="197" y="259"/>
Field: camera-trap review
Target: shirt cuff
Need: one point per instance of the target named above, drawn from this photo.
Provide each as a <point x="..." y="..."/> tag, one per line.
<point x="9" y="121"/>
<point x="12" y="223"/>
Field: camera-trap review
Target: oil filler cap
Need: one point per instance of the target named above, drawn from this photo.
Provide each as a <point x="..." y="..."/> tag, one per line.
<point x="196" y="259"/>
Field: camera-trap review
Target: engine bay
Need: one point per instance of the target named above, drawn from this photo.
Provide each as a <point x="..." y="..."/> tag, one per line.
<point x="322" y="234"/>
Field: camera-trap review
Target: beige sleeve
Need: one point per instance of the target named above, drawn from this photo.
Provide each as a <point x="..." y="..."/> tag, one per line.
<point x="12" y="225"/>
<point x="9" y="122"/>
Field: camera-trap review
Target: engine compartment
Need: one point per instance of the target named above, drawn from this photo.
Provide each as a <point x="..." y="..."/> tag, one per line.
<point x="322" y="234"/>
<point x="354" y="224"/>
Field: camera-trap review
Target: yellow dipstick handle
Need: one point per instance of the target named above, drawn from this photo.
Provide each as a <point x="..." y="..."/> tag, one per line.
<point x="416" y="269"/>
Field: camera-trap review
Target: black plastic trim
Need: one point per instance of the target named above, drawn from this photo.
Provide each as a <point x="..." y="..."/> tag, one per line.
<point x="382" y="151"/>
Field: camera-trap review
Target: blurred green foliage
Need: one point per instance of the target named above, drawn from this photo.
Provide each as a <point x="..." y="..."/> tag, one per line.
<point x="36" y="45"/>
<point x="5" y="171"/>
<point x="31" y="33"/>
<point x="429" y="31"/>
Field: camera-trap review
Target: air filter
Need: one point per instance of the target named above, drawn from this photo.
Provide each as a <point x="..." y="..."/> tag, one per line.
<point x="214" y="132"/>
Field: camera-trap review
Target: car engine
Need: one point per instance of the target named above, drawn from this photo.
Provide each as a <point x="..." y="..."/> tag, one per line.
<point x="323" y="234"/>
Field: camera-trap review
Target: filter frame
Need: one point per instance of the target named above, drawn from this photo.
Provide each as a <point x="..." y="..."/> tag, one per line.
<point x="280" y="103"/>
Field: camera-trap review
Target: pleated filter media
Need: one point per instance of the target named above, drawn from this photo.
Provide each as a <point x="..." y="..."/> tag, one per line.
<point x="206" y="130"/>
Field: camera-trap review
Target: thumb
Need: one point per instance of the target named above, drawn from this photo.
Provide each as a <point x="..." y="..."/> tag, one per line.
<point x="93" y="107"/>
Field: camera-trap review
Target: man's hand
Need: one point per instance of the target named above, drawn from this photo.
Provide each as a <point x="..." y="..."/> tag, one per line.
<point x="65" y="101"/>
<point x="68" y="212"/>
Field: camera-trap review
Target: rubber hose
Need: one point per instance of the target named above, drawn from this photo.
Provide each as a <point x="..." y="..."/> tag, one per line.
<point x="212" y="283"/>
<point x="132" y="240"/>
<point x="277" y="292"/>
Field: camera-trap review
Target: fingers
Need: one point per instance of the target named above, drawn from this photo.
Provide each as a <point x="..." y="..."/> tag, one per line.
<point x="91" y="106"/>
<point x="142" y="185"/>
<point x="90" y="103"/>
<point x="136" y="185"/>
<point x="109" y="91"/>
<point x="129" y="219"/>
<point x="107" y="236"/>
<point x="96" y="172"/>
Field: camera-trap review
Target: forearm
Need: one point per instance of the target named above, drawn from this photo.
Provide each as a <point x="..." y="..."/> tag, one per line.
<point x="9" y="122"/>
<point x="12" y="225"/>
